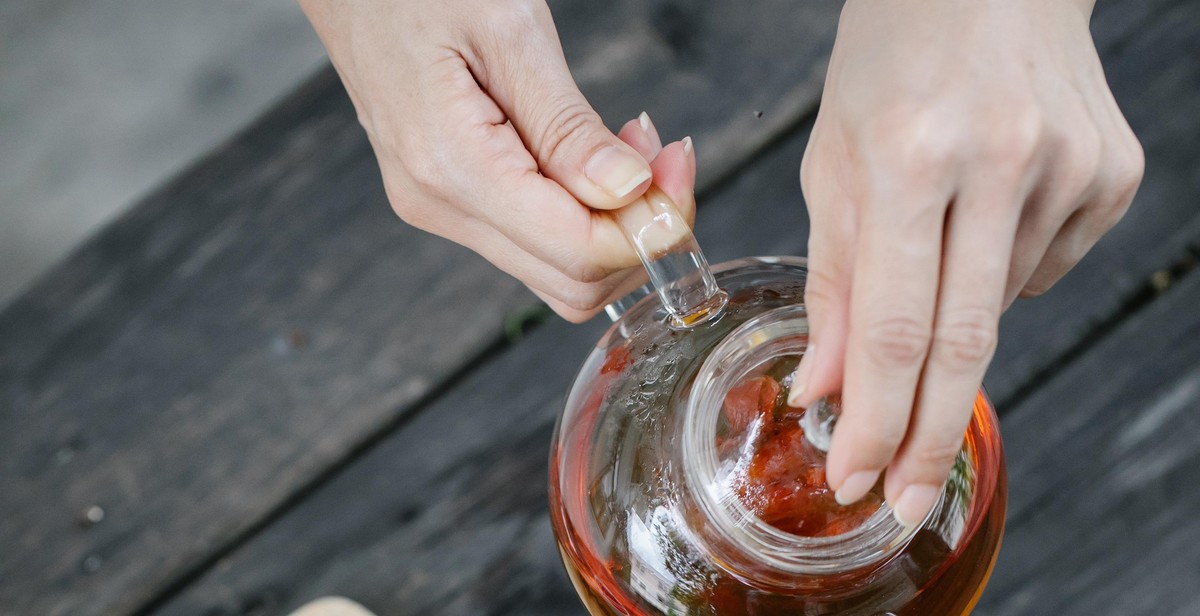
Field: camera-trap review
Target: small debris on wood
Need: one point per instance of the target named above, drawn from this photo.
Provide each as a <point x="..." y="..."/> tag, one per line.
<point x="63" y="456"/>
<point x="1160" y="281"/>
<point x="92" y="516"/>
<point x="67" y="451"/>
<point x="297" y="339"/>
<point x="91" y="564"/>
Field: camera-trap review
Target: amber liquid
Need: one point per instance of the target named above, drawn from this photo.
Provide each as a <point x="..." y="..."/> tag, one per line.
<point x="955" y="590"/>
<point x="951" y="579"/>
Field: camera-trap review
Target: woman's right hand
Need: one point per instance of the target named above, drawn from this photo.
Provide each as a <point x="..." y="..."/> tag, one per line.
<point x="483" y="137"/>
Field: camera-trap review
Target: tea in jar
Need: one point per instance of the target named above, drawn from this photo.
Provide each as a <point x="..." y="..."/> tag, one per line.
<point x="682" y="483"/>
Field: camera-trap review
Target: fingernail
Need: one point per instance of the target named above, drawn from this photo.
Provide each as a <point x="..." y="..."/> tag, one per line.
<point x="915" y="502"/>
<point x="856" y="486"/>
<point x="616" y="170"/>
<point x="687" y="145"/>
<point x="800" y="380"/>
<point x="650" y="131"/>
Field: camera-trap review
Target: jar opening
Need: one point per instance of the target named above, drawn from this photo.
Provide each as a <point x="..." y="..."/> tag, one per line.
<point x="757" y="478"/>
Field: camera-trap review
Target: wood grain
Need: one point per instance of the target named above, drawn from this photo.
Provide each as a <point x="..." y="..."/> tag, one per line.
<point x="258" y="321"/>
<point x="211" y="353"/>
<point x="1103" y="462"/>
<point x="448" y="516"/>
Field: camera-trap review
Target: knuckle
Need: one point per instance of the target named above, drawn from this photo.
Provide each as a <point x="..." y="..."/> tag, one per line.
<point x="926" y="146"/>
<point x="1129" y="170"/>
<point x="570" y="314"/>
<point x="1014" y="141"/>
<point x="926" y="161"/>
<point x="939" y="456"/>
<point x="1110" y="216"/>
<point x="967" y="338"/>
<point x="427" y="177"/>
<point x="1125" y="177"/>
<point x="570" y="123"/>
<point x="507" y="21"/>
<point x="585" y="271"/>
<point x="584" y="298"/>
<point x="406" y="206"/>
<point x="811" y="162"/>
<point x="820" y="289"/>
<point x="1082" y="152"/>
<point x="897" y="341"/>
<point x="879" y="445"/>
<point x="408" y="211"/>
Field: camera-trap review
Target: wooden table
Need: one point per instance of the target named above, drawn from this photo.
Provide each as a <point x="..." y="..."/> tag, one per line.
<point x="259" y="387"/>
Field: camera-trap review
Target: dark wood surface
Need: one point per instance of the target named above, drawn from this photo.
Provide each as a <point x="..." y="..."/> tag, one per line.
<point x="255" y="377"/>
<point x="235" y="336"/>
<point x="1104" y="460"/>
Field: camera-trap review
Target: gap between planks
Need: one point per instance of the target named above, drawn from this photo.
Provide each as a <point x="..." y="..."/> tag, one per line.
<point x="1151" y="289"/>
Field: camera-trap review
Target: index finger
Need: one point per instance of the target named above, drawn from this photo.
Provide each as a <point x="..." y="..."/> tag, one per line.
<point x="892" y="301"/>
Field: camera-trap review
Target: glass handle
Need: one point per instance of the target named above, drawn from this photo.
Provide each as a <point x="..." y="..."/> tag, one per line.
<point x="678" y="270"/>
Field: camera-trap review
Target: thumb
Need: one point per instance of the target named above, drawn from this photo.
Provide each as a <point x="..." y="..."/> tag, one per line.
<point x="527" y="77"/>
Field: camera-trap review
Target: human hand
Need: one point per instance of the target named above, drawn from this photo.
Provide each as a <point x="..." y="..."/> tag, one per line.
<point x="965" y="153"/>
<point x="483" y="138"/>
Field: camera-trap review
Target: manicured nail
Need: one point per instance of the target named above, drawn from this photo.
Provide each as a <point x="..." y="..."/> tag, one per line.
<point x="687" y="145"/>
<point x="856" y="486"/>
<point x="616" y="170"/>
<point x="800" y="380"/>
<point x="915" y="502"/>
<point x="649" y="130"/>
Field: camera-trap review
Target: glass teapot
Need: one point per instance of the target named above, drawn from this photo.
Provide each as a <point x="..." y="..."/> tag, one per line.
<point x="681" y="482"/>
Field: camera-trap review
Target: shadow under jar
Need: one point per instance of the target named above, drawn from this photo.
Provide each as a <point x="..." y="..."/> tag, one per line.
<point x="681" y="483"/>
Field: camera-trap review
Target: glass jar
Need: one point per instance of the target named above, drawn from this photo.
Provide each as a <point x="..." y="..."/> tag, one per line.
<point x="682" y="484"/>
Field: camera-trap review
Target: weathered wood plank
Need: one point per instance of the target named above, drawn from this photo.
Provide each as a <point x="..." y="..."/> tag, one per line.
<point x="211" y="352"/>
<point x="1103" y="463"/>
<point x="449" y="516"/>
<point x="254" y="322"/>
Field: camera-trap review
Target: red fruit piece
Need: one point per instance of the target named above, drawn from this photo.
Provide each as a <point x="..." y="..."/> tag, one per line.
<point x="617" y="360"/>
<point x="748" y="400"/>
<point x="780" y="456"/>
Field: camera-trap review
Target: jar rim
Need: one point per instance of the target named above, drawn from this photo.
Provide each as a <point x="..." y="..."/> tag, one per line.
<point x="743" y="540"/>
